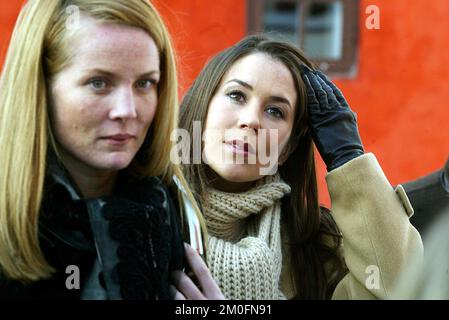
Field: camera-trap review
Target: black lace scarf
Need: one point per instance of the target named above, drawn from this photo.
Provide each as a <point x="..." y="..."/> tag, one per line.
<point x="141" y="234"/>
<point x="143" y="222"/>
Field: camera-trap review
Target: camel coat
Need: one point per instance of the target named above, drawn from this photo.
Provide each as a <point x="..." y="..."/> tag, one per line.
<point x="378" y="239"/>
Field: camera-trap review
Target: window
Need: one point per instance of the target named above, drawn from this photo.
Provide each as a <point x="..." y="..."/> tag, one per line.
<point x="326" y="30"/>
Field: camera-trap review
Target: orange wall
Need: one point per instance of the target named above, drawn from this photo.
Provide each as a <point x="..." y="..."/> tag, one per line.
<point x="201" y="28"/>
<point x="8" y="15"/>
<point x="401" y="91"/>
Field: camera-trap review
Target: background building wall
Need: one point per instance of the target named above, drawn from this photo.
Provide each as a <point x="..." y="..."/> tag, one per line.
<point x="400" y="92"/>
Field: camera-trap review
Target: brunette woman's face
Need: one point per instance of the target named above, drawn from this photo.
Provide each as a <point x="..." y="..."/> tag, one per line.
<point x="255" y="100"/>
<point x="103" y="102"/>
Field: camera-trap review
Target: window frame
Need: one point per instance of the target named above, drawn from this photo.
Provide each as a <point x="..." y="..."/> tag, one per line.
<point x="346" y="66"/>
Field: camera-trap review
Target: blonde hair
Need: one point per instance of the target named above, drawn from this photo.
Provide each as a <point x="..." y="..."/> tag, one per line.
<point x="39" y="49"/>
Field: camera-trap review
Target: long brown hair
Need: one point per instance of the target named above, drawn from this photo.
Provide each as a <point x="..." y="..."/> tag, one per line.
<point x="313" y="237"/>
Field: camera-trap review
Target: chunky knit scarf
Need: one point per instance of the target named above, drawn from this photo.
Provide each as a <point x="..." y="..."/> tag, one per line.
<point x="245" y="254"/>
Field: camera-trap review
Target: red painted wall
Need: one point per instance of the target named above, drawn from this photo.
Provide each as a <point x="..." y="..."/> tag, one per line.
<point x="401" y="90"/>
<point x="201" y="28"/>
<point x="8" y="15"/>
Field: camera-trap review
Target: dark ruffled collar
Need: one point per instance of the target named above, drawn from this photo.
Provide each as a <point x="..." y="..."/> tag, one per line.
<point x="142" y="231"/>
<point x="131" y="231"/>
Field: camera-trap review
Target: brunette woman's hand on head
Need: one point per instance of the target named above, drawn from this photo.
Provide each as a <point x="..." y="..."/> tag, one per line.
<point x="333" y="124"/>
<point x="184" y="287"/>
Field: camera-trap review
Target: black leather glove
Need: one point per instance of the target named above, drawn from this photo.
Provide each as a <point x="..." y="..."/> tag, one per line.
<point x="333" y="124"/>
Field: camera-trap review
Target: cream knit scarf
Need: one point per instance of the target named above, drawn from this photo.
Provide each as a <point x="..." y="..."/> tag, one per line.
<point x="245" y="254"/>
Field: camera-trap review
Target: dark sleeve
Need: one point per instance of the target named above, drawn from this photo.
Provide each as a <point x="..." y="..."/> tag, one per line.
<point x="12" y="290"/>
<point x="429" y="199"/>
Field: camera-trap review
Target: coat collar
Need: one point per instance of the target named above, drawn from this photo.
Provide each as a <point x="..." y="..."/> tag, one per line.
<point x="57" y="175"/>
<point x="63" y="213"/>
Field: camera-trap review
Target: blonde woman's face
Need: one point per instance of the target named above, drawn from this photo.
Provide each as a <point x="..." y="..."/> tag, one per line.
<point x="251" y="115"/>
<point x="103" y="103"/>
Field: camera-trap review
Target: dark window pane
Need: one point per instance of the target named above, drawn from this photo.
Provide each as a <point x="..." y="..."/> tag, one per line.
<point x="280" y="18"/>
<point x="323" y="31"/>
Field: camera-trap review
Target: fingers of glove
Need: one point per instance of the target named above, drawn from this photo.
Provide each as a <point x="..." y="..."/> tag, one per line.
<point x="186" y="287"/>
<point x="319" y="91"/>
<point x="202" y="273"/>
<point x="331" y="98"/>
<point x="312" y="99"/>
<point x="304" y="69"/>
<point x="337" y="92"/>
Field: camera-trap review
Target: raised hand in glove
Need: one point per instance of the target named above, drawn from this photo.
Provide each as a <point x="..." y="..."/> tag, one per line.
<point x="333" y="124"/>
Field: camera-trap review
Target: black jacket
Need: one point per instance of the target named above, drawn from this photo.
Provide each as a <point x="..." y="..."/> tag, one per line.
<point x="124" y="246"/>
<point x="429" y="196"/>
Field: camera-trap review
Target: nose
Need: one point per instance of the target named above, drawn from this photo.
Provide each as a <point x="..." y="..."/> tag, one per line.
<point x="123" y="106"/>
<point x="249" y="117"/>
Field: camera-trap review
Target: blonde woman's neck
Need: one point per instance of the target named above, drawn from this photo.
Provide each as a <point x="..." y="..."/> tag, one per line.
<point x="92" y="183"/>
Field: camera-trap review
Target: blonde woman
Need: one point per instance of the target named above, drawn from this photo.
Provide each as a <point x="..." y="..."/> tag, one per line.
<point x="88" y="96"/>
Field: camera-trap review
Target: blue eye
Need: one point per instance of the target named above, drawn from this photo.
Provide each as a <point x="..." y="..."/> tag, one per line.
<point x="146" y="84"/>
<point x="98" y="84"/>
<point x="237" y="96"/>
<point x="275" y="112"/>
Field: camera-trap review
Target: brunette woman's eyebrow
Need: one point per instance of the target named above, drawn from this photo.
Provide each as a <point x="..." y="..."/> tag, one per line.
<point x="281" y="100"/>
<point x="272" y="98"/>
<point x="242" y="83"/>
